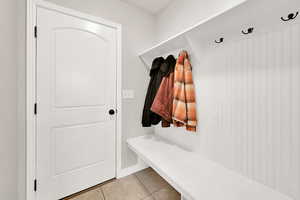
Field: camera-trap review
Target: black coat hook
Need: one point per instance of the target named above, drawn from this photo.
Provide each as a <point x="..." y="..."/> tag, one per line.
<point x="291" y="16"/>
<point x="250" y="30"/>
<point x="220" y="40"/>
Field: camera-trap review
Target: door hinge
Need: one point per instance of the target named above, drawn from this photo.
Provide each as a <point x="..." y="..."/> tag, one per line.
<point x="35" y="185"/>
<point x="35" y="108"/>
<point x="35" y="31"/>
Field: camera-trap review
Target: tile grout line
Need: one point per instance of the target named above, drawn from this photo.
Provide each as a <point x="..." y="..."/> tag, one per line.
<point x="154" y="192"/>
<point x="102" y="193"/>
<point x="144" y="187"/>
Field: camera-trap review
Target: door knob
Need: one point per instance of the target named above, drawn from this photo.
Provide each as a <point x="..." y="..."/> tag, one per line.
<point x="111" y="111"/>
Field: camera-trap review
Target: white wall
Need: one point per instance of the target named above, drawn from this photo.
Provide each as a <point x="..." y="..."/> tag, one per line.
<point x="21" y="97"/>
<point x="8" y="100"/>
<point x="138" y="33"/>
<point x="180" y="15"/>
<point x="248" y="103"/>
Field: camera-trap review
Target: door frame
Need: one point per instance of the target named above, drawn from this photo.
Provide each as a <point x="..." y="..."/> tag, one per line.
<point x="31" y="6"/>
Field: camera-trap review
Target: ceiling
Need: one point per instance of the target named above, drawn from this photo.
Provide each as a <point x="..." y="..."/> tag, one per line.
<point x="152" y="6"/>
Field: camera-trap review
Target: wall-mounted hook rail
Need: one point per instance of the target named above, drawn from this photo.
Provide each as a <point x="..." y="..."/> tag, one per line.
<point x="291" y="16"/>
<point x="250" y="30"/>
<point x="220" y="40"/>
<point x="242" y="24"/>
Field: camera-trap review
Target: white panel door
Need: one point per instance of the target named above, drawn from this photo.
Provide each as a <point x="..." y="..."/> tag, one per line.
<point x="76" y="89"/>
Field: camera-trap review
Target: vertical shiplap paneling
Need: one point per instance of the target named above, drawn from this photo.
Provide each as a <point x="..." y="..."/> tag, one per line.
<point x="271" y="108"/>
<point x="248" y="97"/>
<point x="295" y="112"/>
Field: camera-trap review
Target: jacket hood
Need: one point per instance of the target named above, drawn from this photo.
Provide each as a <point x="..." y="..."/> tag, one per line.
<point x="168" y="66"/>
<point x="156" y="64"/>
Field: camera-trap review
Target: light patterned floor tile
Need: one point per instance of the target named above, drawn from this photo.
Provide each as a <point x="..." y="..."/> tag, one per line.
<point x="151" y="180"/>
<point x="128" y="188"/>
<point x="94" y="194"/>
<point x="149" y="198"/>
<point x="167" y="194"/>
<point x="139" y="186"/>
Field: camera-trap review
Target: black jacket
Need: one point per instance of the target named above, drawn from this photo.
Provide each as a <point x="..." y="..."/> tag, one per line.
<point x="160" y="68"/>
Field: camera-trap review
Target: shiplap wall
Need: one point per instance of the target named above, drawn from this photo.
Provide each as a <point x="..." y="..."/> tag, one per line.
<point x="248" y="97"/>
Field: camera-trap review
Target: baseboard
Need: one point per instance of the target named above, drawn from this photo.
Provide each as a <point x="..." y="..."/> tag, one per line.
<point x="133" y="169"/>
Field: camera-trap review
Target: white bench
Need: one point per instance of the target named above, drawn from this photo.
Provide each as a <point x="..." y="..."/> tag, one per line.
<point x="195" y="177"/>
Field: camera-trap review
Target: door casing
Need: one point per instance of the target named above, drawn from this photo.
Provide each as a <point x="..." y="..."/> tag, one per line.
<point x="31" y="7"/>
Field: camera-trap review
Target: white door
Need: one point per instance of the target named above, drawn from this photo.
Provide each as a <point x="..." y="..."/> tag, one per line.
<point x="76" y="89"/>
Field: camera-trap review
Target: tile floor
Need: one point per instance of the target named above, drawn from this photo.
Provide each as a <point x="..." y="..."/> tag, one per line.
<point x="144" y="185"/>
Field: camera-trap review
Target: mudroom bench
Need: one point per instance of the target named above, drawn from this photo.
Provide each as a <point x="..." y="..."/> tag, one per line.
<point x="195" y="177"/>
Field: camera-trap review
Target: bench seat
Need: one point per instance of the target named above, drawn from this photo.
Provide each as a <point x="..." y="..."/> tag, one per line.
<point x="196" y="177"/>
